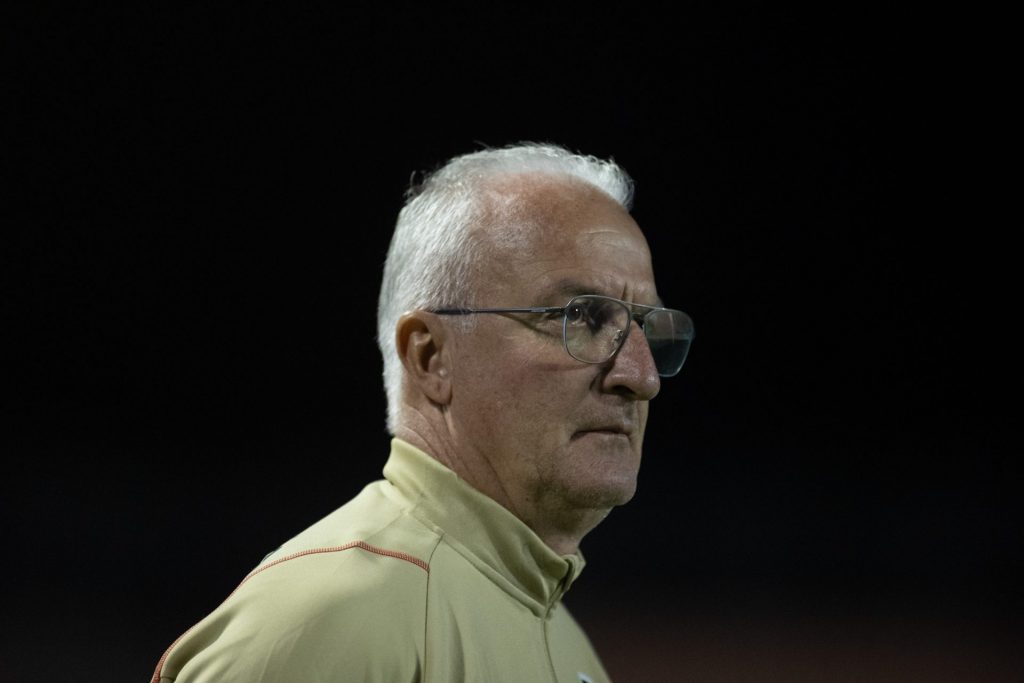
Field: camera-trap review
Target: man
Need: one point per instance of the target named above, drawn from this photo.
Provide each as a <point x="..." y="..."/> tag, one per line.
<point x="522" y="339"/>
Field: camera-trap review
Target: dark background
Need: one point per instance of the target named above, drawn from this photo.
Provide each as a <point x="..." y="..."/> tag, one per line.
<point x="199" y="206"/>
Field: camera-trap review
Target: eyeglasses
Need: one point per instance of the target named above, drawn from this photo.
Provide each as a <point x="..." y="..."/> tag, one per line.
<point x="595" y="327"/>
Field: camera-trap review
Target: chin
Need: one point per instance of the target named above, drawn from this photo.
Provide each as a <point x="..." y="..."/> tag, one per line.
<point x="606" y="467"/>
<point x="604" y="492"/>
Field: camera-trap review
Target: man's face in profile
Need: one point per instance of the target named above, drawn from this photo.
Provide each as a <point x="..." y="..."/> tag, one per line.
<point x="562" y="436"/>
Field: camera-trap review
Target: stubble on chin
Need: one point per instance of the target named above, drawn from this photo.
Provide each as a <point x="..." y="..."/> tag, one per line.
<point x="600" y="472"/>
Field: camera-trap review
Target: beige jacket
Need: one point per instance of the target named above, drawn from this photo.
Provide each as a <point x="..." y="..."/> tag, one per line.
<point x="419" y="578"/>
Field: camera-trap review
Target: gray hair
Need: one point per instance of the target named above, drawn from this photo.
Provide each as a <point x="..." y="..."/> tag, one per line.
<point x="432" y="253"/>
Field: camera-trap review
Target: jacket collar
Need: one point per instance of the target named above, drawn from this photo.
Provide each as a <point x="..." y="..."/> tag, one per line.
<point x="488" y="535"/>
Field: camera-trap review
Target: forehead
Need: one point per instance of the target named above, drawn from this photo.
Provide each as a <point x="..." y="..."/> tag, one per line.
<point x="550" y="239"/>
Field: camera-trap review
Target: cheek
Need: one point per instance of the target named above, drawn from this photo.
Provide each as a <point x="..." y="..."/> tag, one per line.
<point x="537" y="405"/>
<point x="526" y="399"/>
<point x="524" y="388"/>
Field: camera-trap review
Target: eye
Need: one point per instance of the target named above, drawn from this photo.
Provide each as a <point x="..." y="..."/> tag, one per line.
<point x="587" y="312"/>
<point x="574" y="313"/>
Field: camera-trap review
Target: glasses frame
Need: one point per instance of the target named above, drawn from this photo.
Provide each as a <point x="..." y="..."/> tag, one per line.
<point x="637" y="313"/>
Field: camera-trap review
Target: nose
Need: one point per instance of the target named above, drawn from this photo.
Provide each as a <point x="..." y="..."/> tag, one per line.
<point x="632" y="370"/>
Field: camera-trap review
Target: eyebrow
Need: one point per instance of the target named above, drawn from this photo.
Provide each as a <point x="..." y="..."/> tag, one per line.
<point x="569" y="288"/>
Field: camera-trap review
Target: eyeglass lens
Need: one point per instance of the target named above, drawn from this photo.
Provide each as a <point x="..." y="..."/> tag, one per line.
<point x="595" y="328"/>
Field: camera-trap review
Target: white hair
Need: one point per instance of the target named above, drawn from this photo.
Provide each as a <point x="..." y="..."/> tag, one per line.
<point x="432" y="253"/>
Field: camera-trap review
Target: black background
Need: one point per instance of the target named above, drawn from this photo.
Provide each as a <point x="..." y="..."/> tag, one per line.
<point x="200" y="202"/>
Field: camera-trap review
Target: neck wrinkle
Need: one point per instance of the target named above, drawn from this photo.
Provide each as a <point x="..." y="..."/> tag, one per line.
<point x="488" y="535"/>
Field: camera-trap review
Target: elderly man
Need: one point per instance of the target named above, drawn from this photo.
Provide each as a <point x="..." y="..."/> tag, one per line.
<point x="522" y="338"/>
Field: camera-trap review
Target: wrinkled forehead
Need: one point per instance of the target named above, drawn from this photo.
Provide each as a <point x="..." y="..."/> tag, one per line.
<point x="530" y="206"/>
<point x="543" y="234"/>
<point x="543" y="211"/>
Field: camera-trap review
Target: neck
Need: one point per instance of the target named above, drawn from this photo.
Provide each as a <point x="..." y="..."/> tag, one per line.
<point x="560" y="527"/>
<point x="565" y="537"/>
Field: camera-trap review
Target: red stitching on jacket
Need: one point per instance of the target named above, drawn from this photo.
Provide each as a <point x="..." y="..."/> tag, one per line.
<point x="354" y="544"/>
<point x="312" y="551"/>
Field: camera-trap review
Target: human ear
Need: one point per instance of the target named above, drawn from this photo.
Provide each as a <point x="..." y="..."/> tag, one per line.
<point x="419" y="339"/>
